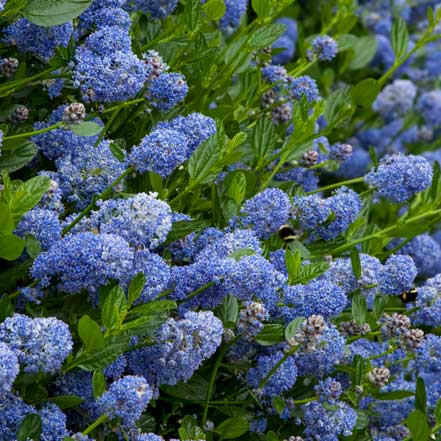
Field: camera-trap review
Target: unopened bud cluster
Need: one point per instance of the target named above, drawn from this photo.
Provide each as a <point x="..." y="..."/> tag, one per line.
<point x="250" y="320"/>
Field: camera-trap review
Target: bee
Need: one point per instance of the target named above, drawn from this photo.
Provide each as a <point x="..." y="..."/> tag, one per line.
<point x="287" y="234"/>
<point x="409" y="296"/>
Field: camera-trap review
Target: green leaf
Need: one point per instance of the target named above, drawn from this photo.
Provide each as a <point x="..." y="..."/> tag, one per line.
<point x="204" y="163"/>
<point x="228" y="310"/>
<point x="183" y="228"/>
<point x="190" y="430"/>
<point x="261" y="7"/>
<point x="86" y="128"/>
<point x="266" y="35"/>
<point x="6" y="221"/>
<point x="279" y="404"/>
<point x="421" y="396"/>
<point x="373" y="155"/>
<point x="309" y="272"/>
<point x="114" y="308"/>
<point x="66" y="401"/>
<point x="417" y="424"/>
<point x="392" y="396"/>
<point x="338" y="107"/>
<point x="233" y="427"/>
<point x="364" y="93"/>
<point x="359" y="308"/>
<point x="194" y="389"/>
<point x="363" y="50"/>
<point x="135" y="288"/>
<point x="152" y="308"/>
<point x="438" y="412"/>
<point x="271" y="335"/>
<point x="434" y="189"/>
<point x="237" y="188"/>
<point x="6" y="307"/>
<point x="356" y="264"/>
<point x="33" y="246"/>
<point x="90" y="334"/>
<point x="293" y="327"/>
<point x="263" y="139"/>
<point x="357" y="370"/>
<point x="54" y="12"/>
<point x="293" y="262"/>
<point x="380" y="303"/>
<point x="399" y="37"/>
<point x="362" y="420"/>
<point x="30" y="428"/>
<point x="117" y="151"/>
<point x="11" y="246"/>
<point x="13" y="160"/>
<point x="241" y="252"/>
<point x="98" y="384"/>
<point x="192" y="10"/>
<point x="29" y="195"/>
<point x="215" y="9"/>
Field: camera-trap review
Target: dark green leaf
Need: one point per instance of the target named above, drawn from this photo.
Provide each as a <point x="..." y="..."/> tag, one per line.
<point x="279" y="404"/>
<point x="185" y="227"/>
<point x="359" y="308"/>
<point x="261" y="7"/>
<point x="98" y="384"/>
<point x="356" y="264"/>
<point x="392" y="396"/>
<point x="54" y="12"/>
<point x="194" y="389"/>
<point x="233" y="427"/>
<point x="262" y="139"/>
<point x="190" y="430"/>
<point x="364" y="93"/>
<point x="6" y="221"/>
<point x="11" y="277"/>
<point x="309" y="272"/>
<point x="293" y="327"/>
<point x="399" y="37"/>
<point x="6" y="307"/>
<point x="420" y="396"/>
<point x="135" y="288"/>
<point x="438" y="412"/>
<point x="373" y="155"/>
<point x="152" y="308"/>
<point x="380" y="303"/>
<point x="86" y="128"/>
<point x="237" y="188"/>
<point x="30" y="428"/>
<point x="357" y="370"/>
<point x="417" y="424"/>
<point x="33" y="246"/>
<point x="271" y="335"/>
<point x="434" y="189"/>
<point x="117" y="151"/>
<point x="66" y="401"/>
<point x="362" y="420"/>
<point x="293" y="262"/>
<point x="266" y="35"/>
<point x="228" y="310"/>
<point x="14" y="160"/>
<point x="114" y="308"/>
<point x="11" y="246"/>
<point x="90" y="334"/>
<point x="338" y="107"/>
<point x="192" y="10"/>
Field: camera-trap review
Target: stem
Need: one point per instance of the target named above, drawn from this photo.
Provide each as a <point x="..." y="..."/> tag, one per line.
<point x="16" y="83"/>
<point x="213" y="378"/>
<point x="336" y="185"/>
<point x="35" y="132"/>
<point x="197" y="291"/>
<point x="102" y="195"/>
<point x="95" y="424"/>
<point x="276" y="366"/>
<point x="15" y="294"/>
<point x="306" y="400"/>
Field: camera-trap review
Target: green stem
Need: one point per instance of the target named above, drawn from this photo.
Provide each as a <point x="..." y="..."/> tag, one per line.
<point x="14" y="84"/>
<point x="95" y="424"/>
<point x="197" y="291"/>
<point x="102" y="195"/>
<point x="306" y="400"/>
<point x="35" y="132"/>
<point x="213" y="377"/>
<point x="15" y="294"/>
<point x="337" y="185"/>
<point x="276" y="366"/>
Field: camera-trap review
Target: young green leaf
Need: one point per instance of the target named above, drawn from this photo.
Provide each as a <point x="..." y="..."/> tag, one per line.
<point x="90" y="334"/>
<point x="228" y="310"/>
<point x="417" y="424"/>
<point x="421" y="396"/>
<point x="30" y="428"/>
<point x="356" y="264"/>
<point x="86" y="128"/>
<point x="271" y="335"/>
<point x="54" y="12"/>
<point x="359" y="308"/>
<point x="98" y="384"/>
<point x="293" y="327"/>
<point x="11" y="246"/>
<point x="114" y="308"/>
<point x="135" y="288"/>
<point x="266" y="35"/>
<point x="215" y="9"/>
<point x="233" y="428"/>
<point x="399" y="37"/>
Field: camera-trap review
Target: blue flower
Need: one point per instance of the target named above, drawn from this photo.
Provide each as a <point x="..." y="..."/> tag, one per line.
<point x="167" y="90"/>
<point x="126" y="398"/>
<point x="324" y="48"/>
<point x="304" y="86"/>
<point x="287" y="41"/>
<point x="235" y="9"/>
<point x="398" y="177"/>
<point x="53" y="422"/>
<point x="12" y="412"/>
<point x="9" y="368"/>
<point x="429" y="105"/>
<point x="156" y="8"/>
<point x="40" y="344"/>
<point x="397" y="275"/>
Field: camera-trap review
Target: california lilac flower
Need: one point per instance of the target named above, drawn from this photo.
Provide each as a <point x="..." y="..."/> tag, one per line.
<point x="340" y="152"/>
<point x="116" y="369"/>
<point x="156" y="8"/>
<point x="156" y="271"/>
<point x="196" y="128"/>
<point x="320" y="297"/>
<point x="395" y="99"/>
<point x="328" y="423"/>
<point x="398" y="177"/>
<point x="328" y="390"/>
<point x="426" y="253"/>
<point x="40" y="344"/>
<point x="61" y="141"/>
<point x="275" y="75"/>
<point x="324" y="48"/>
<point x="182" y="346"/>
<point x="43" y="224"/>
<point x="12" y="412"/>
<point x="106" y="69"/>
<point x="281" y="381"/>
<point x="251" y="319"/>
<point x="9" y="368"/>
<point x="428" y="354"/>
<point x="304" y="86"/>
<point x="37" y="40"/>
<point x="384" y="55"/>
<point x="307" y="179"/>
<point x="155" y="65"/>
<point x="88" y="172"/>
<point x="166" y="91"/>
<point x="397" y="275"/>
<point x="235" y="9"/>
<point x="356" y="165"/>
<point x="160" y="152"/>
<point x="429" y="105"/>
<point x="53" y="422"/>
<point x="52" y="200"/>
<point x="149" y="437"/>
<point x="142" y="220"/>
<point x="84" y="261"/>
<point x="287" y="41"/>
<point x="428" y="303"/>
<point x="126" y="398"/>
<point x="265" y="213"/>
